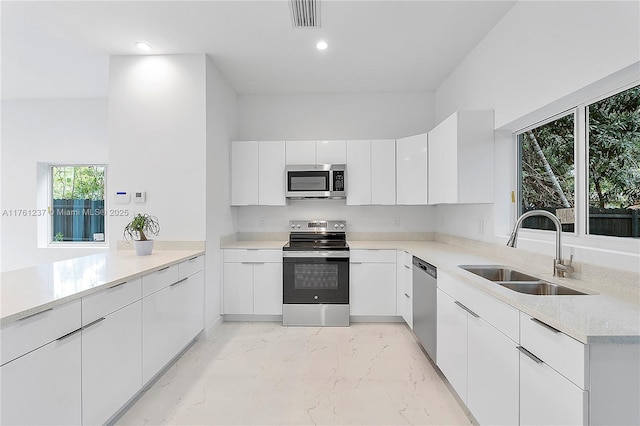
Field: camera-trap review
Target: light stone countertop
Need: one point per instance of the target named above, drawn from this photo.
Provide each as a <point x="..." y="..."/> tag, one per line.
<point x="31" y="290"/>
<point x="595" y="318"/>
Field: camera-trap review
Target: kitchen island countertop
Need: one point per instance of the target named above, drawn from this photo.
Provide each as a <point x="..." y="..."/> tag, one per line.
<point x="30" y="290"/>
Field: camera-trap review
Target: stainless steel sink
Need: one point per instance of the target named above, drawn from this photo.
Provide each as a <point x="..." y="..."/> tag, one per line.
<point x="520" y="282"/>
<point x="541" y="288"/>
<point x="498" y="273"/>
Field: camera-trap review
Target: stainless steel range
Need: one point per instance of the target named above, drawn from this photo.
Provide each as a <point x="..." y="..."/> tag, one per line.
<point x="316" y="274"/>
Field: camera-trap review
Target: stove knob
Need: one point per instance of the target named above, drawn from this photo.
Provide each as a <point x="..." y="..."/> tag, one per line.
<point x="293" y="226"/>
<point x="342" y="226"/>
<point x="315" y="297"/>
<point x="335" y="226"/>
<point x="298" y="226"/>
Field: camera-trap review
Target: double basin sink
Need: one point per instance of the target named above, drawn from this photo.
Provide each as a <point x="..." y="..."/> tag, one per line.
<point x="520" y="282"/>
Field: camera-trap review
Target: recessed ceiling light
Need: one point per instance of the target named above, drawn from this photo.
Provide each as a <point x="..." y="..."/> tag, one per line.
<point x="322" y="45"/>
<point x="143" y="46"/>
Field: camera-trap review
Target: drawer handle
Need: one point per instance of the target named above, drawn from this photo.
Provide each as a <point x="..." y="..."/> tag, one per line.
<point x="252" y="263"/>
<point x="407" y="296"/>
<point x="178" y="282"/>
<point x="545" y="325"/>
<point x="93" y="323"/>
<point x="467" y="309"/>
<point x="356" y="263"/>
<point x="164" y="269"/>
<point x="530" y="355"/>
<point x="192" y="259"/>
<point x="37" y="313"/>
<point x="117" y="285"/>
<point x="407" y="266"/>
<point x="69" y="334"/>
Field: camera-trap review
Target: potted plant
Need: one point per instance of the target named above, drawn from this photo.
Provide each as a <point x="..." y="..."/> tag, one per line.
<point x="138" y="229"/>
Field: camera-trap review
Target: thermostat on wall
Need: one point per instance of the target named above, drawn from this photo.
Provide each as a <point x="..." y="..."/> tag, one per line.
<point x="140" y="197"/>
<point x="122" y="197"/>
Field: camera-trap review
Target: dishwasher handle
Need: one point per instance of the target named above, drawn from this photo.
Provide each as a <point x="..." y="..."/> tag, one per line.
<point x="426" y="267"/>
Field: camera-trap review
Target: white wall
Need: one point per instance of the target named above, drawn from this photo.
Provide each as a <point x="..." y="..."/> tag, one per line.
<point x="539" y="60"/>
<point x="335" y="116"/>
<point x="157" y="141"/>
<point x="359" y="218"/>
<point x="540" y="52"/>
<point x="46" y="131"/>
<point x="221" y="129"/>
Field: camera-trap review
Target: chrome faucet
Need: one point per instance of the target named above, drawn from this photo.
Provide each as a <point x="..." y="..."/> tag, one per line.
<point x="559" y="267"/>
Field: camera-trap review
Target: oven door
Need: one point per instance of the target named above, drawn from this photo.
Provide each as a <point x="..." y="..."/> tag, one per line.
<point x="315" y="277"/>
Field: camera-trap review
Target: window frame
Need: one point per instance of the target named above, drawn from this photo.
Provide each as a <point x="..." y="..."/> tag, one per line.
<point x="519" y="192"/>
<point x="581" y="235"/>
<point x="75" y="244"/>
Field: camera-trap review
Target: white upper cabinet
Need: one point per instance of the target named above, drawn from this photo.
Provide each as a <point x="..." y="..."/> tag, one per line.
<point x="316" y="152"/>
<point x="244" y="173"/>
<point x="331" y="152"/>
<point x="359" y="172"/>
<point x="257" y="173"/>
<point x="411" y="168"/>
<point x="271" y="157"/>
<point x="461" y="159"/>
<point x="301" y="152"/>
<point x="371" y="172"/>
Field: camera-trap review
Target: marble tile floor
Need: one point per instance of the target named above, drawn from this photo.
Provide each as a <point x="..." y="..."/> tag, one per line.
<point x="267" y="374"/>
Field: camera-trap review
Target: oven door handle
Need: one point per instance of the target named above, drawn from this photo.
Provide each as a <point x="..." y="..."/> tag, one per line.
<point x="321" y="254"/>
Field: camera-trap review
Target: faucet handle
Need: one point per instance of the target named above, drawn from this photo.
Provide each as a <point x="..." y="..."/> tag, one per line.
<point x="564" y="269"/>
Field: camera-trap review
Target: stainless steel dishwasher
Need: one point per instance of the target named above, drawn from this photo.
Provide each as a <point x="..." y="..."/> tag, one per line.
<point x="424" y="305"/>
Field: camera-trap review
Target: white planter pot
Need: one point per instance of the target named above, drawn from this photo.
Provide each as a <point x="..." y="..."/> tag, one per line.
<point x="143" y="248"/>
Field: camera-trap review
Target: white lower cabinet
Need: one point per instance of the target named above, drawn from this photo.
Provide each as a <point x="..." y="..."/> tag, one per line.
<point x="252" y="282"/>
<point x="492" y="374"/>
<point x="171" y="318"/>
<point x="478" y="359"/>
<point x="111" y="363"/>
<point x="372" y="282"/>
<point x="452" y="342"/>
<point x="43" y="386"/>
<point x="404" y="293"/>
<point x="548" y="398"/>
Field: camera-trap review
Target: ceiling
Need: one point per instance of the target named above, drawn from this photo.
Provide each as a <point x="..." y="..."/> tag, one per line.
<point x="59" y="49"/>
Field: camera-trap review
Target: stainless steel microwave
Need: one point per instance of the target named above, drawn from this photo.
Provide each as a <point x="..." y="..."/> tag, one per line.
<point x="315" y="181"/>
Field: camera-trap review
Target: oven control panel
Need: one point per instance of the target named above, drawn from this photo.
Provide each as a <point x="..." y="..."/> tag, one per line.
<point x="318" y="225"/>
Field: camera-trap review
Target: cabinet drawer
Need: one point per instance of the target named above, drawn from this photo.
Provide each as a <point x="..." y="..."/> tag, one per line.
<point x="239" y="255"/>
<point x="110" y="300"/>
<point x="191" y="266"/>
<point x="27" y="334"/>
<point x="500" y="315"/>
<point x="360" y="256"/>
<point x="405" y="258"/>
<point x="561" y="352"/>
<point x="159" y="280"/>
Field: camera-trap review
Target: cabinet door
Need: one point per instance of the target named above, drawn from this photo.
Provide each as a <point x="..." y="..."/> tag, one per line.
<point x="238" y="288"/>
<point x="383" y="172"/>
<point x="111" y="363"/>
<point x="493" y="374"/>
<point x="404" y="295"/>
<point x="244" y="173"/>
<point x="43" y="386"/>
<point x="170" y="318"/>
<point x="267" y="289"/>
<point x="443" y="162"/>
<point x="452" y="343"/>
<point x="548" y="398"/>
<point x="271" y="160"/>
<point x="301" y="152"/>
<point x="372" y="289"/>
<point x="331" y="152"/>
<point x="358" y="172"/>
<point x="411" y="167"/>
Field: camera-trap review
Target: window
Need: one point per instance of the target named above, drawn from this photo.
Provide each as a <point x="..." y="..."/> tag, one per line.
<point x="547" y="172"/>
<point x="613" y="135"/>
<point x="77" y="203"/>
<point x="602" y="197"/>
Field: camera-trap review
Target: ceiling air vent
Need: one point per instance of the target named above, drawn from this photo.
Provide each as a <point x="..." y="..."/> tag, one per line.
<point x="305" y="13"/>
